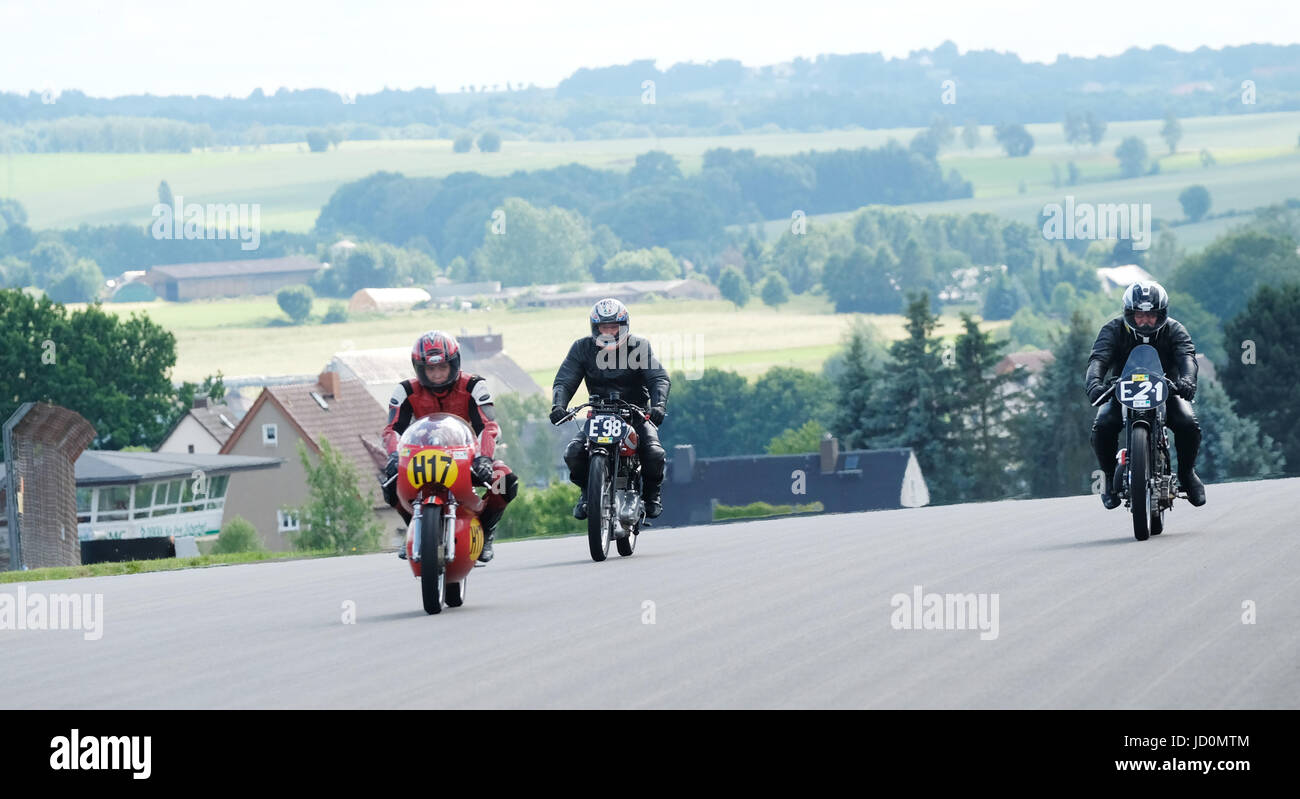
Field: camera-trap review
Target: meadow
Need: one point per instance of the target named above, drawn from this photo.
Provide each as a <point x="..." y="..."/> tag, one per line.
<point x="1258" y="162"/>
<point x="245" y="337"/>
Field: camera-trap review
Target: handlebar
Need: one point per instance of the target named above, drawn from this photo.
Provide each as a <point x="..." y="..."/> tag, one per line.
<point x="1110" y="389"/>
<point x="597" y="402"/>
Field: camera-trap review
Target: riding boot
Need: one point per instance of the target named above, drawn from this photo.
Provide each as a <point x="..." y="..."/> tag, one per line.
<point x="1188" y="443"/>
<point x="489" y="519"/>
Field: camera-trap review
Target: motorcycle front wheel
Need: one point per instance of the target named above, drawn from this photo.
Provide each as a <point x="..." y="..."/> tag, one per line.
<point x="433" y="571"/>
<point x="1139" y="484"/>
<point x="600" y="508"/>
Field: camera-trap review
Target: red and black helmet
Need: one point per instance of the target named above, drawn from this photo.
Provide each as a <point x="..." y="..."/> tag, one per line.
<point x="436" y="347"/>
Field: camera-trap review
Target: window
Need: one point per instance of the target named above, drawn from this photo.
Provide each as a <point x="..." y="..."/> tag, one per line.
<point x="114" y="504"/>
<point x="269" y="435"/>
<point x="286" y="521"/>
<point x="143" y="499"/>
<point x="191" y="449"/>
<point x="84" y="497"/>
<point x="217" y="491"/>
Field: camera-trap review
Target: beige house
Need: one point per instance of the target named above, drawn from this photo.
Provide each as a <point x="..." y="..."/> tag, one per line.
<point x="339" y="410"/>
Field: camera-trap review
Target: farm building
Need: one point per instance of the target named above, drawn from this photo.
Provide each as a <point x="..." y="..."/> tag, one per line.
<point x="386" y="300"/>
<point x="181" y="282"/>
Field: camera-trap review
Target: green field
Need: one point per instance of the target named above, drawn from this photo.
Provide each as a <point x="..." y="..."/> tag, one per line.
<point x="291" y="184"/>
<point x="1258" y="163"/>
<point x="232" y="335"/>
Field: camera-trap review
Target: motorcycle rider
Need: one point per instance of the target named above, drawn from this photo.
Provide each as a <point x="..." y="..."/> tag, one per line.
<point x="612" y="360"/>
<point x="441" y="387"/>
<point x="1146" y="320"/>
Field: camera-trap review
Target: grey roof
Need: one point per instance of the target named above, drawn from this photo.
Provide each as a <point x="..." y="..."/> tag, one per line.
<point x="218" y="420"/>
<point x="104" y="467"/>
<point x="251" y="266"/>
<point x="381" y="370"/>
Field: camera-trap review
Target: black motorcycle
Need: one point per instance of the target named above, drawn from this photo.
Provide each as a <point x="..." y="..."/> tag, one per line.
<point x="1143" y="477"/>
<point x="615" y="509"/>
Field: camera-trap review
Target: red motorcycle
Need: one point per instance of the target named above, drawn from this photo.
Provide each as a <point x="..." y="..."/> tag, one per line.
<point x="444" y="538"/>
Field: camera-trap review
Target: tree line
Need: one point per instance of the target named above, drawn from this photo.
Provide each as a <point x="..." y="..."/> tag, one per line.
<point x="826" y="92"/>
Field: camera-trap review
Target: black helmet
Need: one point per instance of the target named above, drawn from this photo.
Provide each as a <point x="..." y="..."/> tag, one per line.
<point x="436" y="347"/>
<point x="1146" y="295"/>
<point x="605" y="312"/>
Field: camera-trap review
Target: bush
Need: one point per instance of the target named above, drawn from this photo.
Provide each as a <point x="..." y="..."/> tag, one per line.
<point x="1195" y="201"/>
<point x="337" y="313"/>
<point x="295" y="301"/>
<point x="489" y="142"/>
<point x="463" y="143"/>
<point x="239" y="535"/>
<point x="318" y="141"/>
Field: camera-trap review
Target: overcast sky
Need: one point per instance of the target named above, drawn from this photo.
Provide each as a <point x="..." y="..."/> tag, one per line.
<point x="234" y="46"/>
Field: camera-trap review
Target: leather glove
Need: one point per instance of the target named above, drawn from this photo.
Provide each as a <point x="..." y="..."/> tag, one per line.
<point x="657" y="414"/>
<point x="481" y="469"/>
<point x="1186" y="388"/>
<point x="391" y="468"/>
<point x="557" y="413"/>
<point x="1095" y="390"/>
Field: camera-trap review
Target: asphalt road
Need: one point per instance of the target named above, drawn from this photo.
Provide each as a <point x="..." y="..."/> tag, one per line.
<point x="779" y="613"/>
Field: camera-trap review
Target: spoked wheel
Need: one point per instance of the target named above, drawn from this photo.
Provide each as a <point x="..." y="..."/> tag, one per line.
<point x="600" y="509"/>
<point x="433" y="569"/>
<point x="456" y="592"/>
<point x="1140" y="484"/>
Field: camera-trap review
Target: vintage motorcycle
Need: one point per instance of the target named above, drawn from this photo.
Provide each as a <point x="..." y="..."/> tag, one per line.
<point x="445" y="537"/>
<point x="615" y="509"/>
<point x="1143" y="477"/>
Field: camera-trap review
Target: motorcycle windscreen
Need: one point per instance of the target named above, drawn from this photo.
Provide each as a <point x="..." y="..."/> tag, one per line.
<point x="1141" y="385"/>
<point x="438" y="430"/>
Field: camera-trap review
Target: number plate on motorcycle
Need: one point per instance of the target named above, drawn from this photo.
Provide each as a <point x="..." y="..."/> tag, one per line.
<point x="1139" y="378"/>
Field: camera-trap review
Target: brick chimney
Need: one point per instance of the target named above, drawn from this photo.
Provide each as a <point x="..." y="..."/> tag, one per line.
<point x="330" y="384"/>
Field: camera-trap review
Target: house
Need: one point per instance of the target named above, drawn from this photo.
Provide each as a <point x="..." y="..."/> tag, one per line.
<point x="181" y="282"/>
<point x="386" y="300"/>
<point x="381" y="370"/>
<point x="205" y="428"/>
<point x="340" y="410"/>
<point x="844" y="482"/>
<point x="1121" y="277"/>
<point x="1033" y="362"/>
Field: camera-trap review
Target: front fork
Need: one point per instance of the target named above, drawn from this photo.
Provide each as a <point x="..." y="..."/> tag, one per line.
<point x="448" y="530"/>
